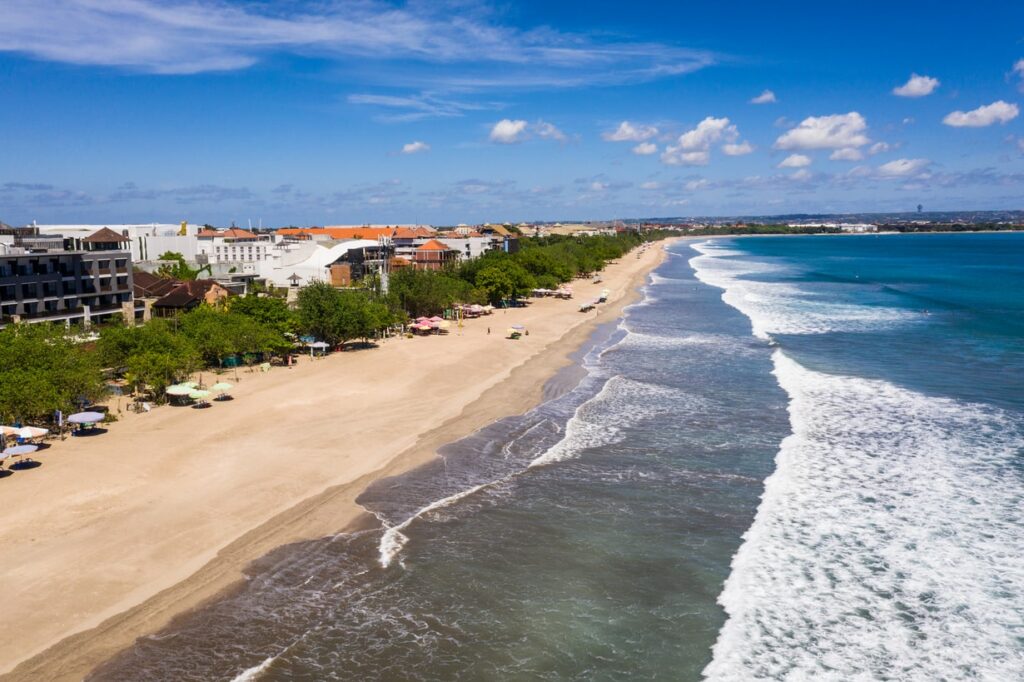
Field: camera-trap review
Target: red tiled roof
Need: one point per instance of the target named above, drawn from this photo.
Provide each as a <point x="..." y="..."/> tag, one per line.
<point x="432" y="245"/>
<point x="186" y="293"/>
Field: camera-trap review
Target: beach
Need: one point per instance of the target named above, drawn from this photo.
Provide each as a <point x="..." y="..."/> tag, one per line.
<point x="116" y="534"/>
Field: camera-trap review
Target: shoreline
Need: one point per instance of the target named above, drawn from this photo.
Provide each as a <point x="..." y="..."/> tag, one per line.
<point x="512" y="391"/>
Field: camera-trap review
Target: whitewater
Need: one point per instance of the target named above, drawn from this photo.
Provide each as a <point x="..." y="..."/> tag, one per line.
<point x="889" y="541"/>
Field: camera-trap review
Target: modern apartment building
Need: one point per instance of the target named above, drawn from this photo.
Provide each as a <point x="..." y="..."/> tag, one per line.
<point x="75" y="286"/>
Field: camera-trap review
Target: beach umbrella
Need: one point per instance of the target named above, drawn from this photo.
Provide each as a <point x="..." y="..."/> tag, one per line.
<point x="85" y="418"/>
<point x="444" y="324"/>
<point x="179" y="389"/>
<point x="31" y="432"/>
<point x="190" y="384"/>
<point x="199" y="395"/>
<point x="319" y="344"/>
<point x="518" y="327"/>
<point x="9" y="430"/>
<point x="20" y="450"/>
<point x="435" y="318"/>
<point x="221" y="386"/>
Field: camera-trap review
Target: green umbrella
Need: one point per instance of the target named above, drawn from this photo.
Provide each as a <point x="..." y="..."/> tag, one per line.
<point x="199" y="395"/>
<point x="190" y="384"/>
<point x="221" y="386"/>
<point x="179" y="389"/>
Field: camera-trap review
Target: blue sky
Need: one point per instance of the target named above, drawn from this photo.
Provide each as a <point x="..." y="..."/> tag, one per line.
<point x="445" y="112"/>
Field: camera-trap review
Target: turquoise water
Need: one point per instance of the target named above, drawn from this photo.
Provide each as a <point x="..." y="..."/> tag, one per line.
<point x="796" y="458"/>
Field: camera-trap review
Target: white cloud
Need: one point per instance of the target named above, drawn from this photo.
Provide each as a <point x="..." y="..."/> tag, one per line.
<point x="997" y="112"/>
<point x="645" y="149"/>
<point x="1018" y="68"/>
<point x="847" y="154"/>
<point x="415" y="147"/>
<point x="902" y="168"/>
<point x="826" y="132"/>
<point x="917" y="86"/>
<point x="694" y="185"/>
<point x="627" y="132"/>
<point x="650" y="185"/>
<point x="598" y="186"/>
<point x="548" y="131"/>
<point x="674" y="157"/>
<point x="879" y="148"/>
<point x="507" y="131"/>
<point x="189" y="36"/>
<point x="802" y="174"/>
<point x="766" y="97"/>
<point x="693" y="147"/>
<point x="740" y="149"/>
<point x="707" y="132"/>
<point x="795" y="161"/>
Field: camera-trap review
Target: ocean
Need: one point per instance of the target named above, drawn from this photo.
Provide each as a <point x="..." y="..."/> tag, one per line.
<point x="795" y="458"/>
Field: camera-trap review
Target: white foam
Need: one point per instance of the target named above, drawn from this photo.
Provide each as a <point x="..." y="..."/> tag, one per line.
<point x="600" y="420"/>
<point x="253" y="673"/>
<point x="393" y="540"/>
<point x="889" y="542"/>
<point x="779" y="307"/>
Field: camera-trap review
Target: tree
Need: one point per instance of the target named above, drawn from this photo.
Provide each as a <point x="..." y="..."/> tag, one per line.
<point x="151" y="357"/>
<point x="178" y="268"/>
<point x="338" y="316"/>
<point x="267" y="310"/>
<point x="43" y="368"/>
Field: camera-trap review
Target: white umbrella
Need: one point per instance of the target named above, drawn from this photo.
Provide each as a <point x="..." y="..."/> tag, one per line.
<point x="85" y="418"/>
<point x="179" y="389"/>
<point x="20" y="450"/>
<point x="221" y="386"/>
<point x="32" y="432"/>
<point x="199" y="395"/>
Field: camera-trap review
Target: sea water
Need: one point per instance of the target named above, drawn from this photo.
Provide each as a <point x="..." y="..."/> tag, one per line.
<point x="795" y="458"/>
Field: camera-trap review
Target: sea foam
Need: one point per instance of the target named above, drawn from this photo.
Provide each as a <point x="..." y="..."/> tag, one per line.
<point x="889" y="543"/>
<point x="778" y="307"/>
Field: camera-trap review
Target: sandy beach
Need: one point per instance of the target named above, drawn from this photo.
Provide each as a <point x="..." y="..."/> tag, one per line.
<point x="116" y="534"/>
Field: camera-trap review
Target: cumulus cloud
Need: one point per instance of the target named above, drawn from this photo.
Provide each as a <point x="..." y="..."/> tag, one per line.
<point x="696" y="184"/>
<point x="693" y="148"/>
<point x="766" y="97"/>
<point x="507" y="131"/>
<point x="837" y="131"/>
<point x="627" y="132"/>
<point x="645" y="149"/>
<point x="902" y="168"/>
<point x="1018" y="69"/>
<point x="879" y="148"/>
<point x="415" y="147"/>
<point x="997" y="112"/>
<point x="795" y="161"/>
<point x="650" y="185"/>
<point x="917" y="86"/>
<point x="548" y="131"/>
<point x="847" y="154"/>
<point x="734" y="149"/>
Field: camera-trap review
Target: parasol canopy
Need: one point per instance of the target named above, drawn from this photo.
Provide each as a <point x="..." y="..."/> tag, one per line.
<point x="20" y="450"/>
<point x="199" y="395"/>
<point x="179" y="389"/>
<point x="221" y="386"/>
<point x="85" y="418"/>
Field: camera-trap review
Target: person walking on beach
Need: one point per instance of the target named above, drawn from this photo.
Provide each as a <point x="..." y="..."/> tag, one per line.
<point x="488" y="331"/>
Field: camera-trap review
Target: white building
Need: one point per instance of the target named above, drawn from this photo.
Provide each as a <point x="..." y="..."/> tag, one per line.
<point x="233" y="246"/>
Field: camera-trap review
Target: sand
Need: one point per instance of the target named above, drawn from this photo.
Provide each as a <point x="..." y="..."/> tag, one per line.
<point x="116" y="534"/>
